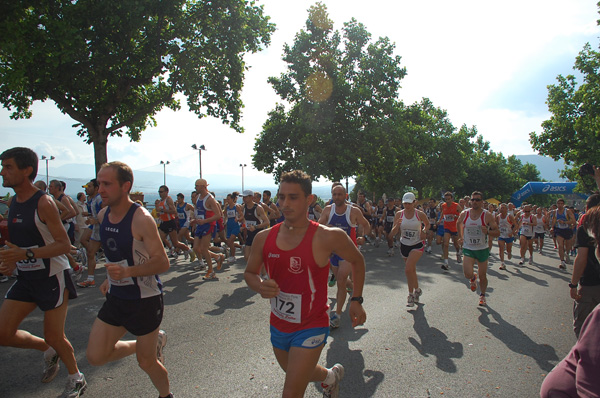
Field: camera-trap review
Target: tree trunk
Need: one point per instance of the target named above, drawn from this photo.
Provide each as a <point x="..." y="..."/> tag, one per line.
<point x="100" y="142"/>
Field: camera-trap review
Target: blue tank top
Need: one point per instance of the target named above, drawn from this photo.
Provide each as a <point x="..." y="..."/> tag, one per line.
<point x="181" y="214"/>
<point x="121" y="248"/>
<point x="27" y="231"/>
<point x="561" y="220"/>
<point x="342" y="221"/>
<point x="231" y="214"/>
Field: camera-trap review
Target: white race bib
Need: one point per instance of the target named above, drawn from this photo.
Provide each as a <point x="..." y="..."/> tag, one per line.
<point x="121" y="282"/>
<point x="287" y="306"/>
<point x="33" y="264"/>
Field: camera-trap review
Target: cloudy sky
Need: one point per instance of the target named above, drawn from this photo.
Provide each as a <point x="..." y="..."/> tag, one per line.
<point x="486" y="63"/>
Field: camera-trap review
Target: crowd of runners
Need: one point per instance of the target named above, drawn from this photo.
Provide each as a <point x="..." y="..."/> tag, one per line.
<point x="293" y="247"/>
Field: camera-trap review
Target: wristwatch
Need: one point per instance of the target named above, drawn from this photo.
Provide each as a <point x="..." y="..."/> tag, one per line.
<point x="572" y="286"/>
<point x="29" y="253"/>
<point x="359" y="299"/>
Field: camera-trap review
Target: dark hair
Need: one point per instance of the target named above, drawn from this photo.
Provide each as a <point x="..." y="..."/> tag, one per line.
<point x="448" y="193"/>
<point x="24" y="157"/>
<point x="79" y="195"/>
<point x="180" y="195"/>
<point x="124" y="173"/>
<point x="64" y="185"/>
<point x="592" y="201"/>
<point x="592" y="222"/>
<point x="94" y="182"/>
<point x="166" y="188"/>
<point x="298" y="177"/>
<point x="266" y="191"/>
<point x="56" y="183"/>
<point x="477" y="193"/>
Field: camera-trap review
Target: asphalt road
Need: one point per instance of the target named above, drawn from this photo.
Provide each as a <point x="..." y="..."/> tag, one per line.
<point x="218" y="336"/>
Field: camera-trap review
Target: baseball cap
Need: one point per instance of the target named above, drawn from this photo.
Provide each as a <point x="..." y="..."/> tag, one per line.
<point x="248" y="192"/>
<point x="408" y="197"/>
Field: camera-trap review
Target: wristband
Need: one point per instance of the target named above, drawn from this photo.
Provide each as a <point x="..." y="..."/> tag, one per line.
<point x="572" y="286"/>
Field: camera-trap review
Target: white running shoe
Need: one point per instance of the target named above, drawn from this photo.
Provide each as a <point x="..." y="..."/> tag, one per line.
<point x="411" y="300"/>
<point x="74" y="388"/>
<point x="161" y="343"/>
<point x="417" y="293"/>
<point x="51" y="368"/>
<point x="333" y="390"/>
<point x="231" y="259"/>
<point x="531" y="260"/>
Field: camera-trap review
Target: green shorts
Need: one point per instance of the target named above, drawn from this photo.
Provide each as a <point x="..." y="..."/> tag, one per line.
<point x="479" y="255"/>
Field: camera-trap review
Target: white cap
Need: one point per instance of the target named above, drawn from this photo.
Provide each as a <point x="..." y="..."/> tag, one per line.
<point x="248" y="192"/>
<point x="408" y="197"/>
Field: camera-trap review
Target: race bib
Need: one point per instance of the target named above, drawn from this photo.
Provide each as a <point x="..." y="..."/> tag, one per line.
<point x="473" y="235"/>
<point x="389" y="219"/>
<point x="199" y="216"/>
<point x="287" y="306"/>
<point x="449" y="217"/>
<point x="231" y="213"/>
<point x="181" y="216"/>
<point x="33" y="264"/>
<point x="121" y="282"/>
<point x="526" y="230"/>
<point x="250" y="223"/>
<point x="409" y="233"/>
<point x="504" y="231"/>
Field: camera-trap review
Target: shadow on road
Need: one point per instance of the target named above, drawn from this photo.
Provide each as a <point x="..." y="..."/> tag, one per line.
<point x="358" y="381"/>
<point x="516" y="340"/>
<point x="235" y="301"/>
<point x="434" y="342"/>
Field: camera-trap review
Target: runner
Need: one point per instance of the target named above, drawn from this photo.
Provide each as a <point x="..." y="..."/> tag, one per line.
<point x="561" y="226"/>
<point x="207" y="213"/>
<point x="475" y="226"/>
<point x="347" y="217"/>
<point x="133" y="290"/>
<point x="314" y="210"/>
<point x="450" y="212"/>
<point x="526" y="224"/>
<point x="37" y="248"/>
<point x="541" y="224"/>
<point x="273" y="213"/>
<point x="432" y="215"/>
<point x="296" y="254"/>
<point x="413" y="226"/>
<point x="233" y="213"/>
<point x="507" y="225"/>
<point x="167" y="212"/>
<point x="387" y="218"/>
<point x="93" y="245"/>
<point x="254" y="219"/>
<point x="185" y="212"/>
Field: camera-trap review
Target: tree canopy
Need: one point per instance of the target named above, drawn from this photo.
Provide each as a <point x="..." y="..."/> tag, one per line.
<point x="338" y="86"/>
<point x="111" y="65"/>
<point x="573" y="130"/>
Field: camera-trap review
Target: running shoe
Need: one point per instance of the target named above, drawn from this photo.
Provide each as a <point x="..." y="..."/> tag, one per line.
<point x="87" y="283"/>
<point x="428" y="250"/>
<point x="51" y="368"/>
<point x="473" y="281"/>
<point x="562" y="265"/>
<point x="458" y="258"/>
<point x="74" y="388"/>
<point x="334" y="320"/>
<point x="186" y="255"/>
<point x="160" y="345"/>
<point x="482" y="301"/>
<point x="220" y="261"/>
<point x="531" y="260"/>
<point x="411" y="300"/>
<point x="3" y="278"/>
<point x="333" y="390"/>
<point x="567" y="259"/>
<point x="332" y="280"/>
<point x="502" y="266"/>
<point x="192" y="256"/>
<point x="76" y="274"/>
<point x="209" y="275"/>
<point x="417" y="293"/>
<point x="445" y="266"/>
<point x="231" y="259"/>
<point x="521" y="261"/>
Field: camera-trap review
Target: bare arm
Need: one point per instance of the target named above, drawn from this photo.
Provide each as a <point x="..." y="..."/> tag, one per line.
<point x="266" y="288"/>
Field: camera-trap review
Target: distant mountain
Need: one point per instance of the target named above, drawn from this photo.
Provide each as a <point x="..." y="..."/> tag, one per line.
<point x="549" y="168"/>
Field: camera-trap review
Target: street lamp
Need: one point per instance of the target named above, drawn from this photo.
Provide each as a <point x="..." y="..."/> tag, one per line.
<point x="199" y="149"/>
<point x="242" y="166"/>
<point x="47" y="159"/>
<point x="165" y="171"/>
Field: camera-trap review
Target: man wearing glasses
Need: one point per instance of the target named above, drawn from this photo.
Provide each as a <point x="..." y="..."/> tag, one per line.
<point x="475" y="226"/>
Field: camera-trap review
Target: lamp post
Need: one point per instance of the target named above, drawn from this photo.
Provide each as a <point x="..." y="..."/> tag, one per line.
<point x="242" y="166"/>
<point x="164" y="171"/>
<point x="47" y="159"/>
<point x="199" y="148"/>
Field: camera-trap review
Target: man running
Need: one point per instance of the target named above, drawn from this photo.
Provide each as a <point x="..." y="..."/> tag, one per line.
<point x="508" y="226"/>
<point x="208" y="212"/>
<point x="93" y="245"/>
<point x="562" y="224"/>
<point x="347" y="217"/>
<point x="296" y="255"/>
<point x="525" y="225"/>
<point x="167" y="212"/>
<point x="185" y="212"/>
<point x="475" y="227"/>
<point x="273" y="213"/>
<point x="450" y="212"/>
<point x="37" y="248"/>
<point x="387" y="218"/>
<point x="133" y="290"/>
<point x="254" y="219"/>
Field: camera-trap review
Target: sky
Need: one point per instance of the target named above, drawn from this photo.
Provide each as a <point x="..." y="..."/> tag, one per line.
<point x="487" y="63"/>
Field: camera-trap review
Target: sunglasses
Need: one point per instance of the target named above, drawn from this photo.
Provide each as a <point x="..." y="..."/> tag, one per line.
<point x="161" y="191"/>
<point x="476" y="200"/>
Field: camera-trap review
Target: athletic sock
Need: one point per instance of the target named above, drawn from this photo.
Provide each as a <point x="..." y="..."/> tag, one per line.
<point x="49" y="353"/>
<point x="76" y="376"/>
<point x="330" y="379"/>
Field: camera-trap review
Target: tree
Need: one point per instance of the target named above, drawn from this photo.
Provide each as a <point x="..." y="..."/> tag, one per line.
<point x="111" y="65"/>
<point x="337" y="86"/>
<point x="573" y="130"/>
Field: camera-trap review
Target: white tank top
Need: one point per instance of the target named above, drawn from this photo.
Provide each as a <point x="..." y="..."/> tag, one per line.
<point x="410" y="230"/>
<point x="474" y="238"/>
<point x="526" y="230"/>
<point x="539" y="227"/>
<point x="504" y="225"/>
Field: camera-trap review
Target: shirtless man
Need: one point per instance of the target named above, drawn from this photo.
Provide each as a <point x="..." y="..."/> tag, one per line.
<point x="296" y="254"/>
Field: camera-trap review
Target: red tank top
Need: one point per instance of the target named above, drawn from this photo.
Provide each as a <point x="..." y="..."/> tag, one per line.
<point x="302" y="301"/>
<point x="450" y="214"/>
